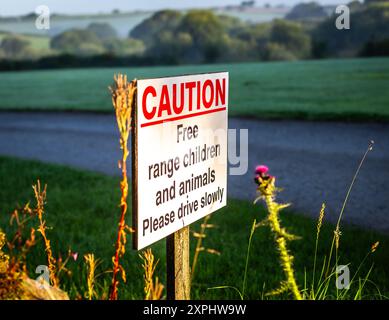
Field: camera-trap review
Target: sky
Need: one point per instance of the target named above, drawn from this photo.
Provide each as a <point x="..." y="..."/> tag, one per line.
<point x="19" y="7"/>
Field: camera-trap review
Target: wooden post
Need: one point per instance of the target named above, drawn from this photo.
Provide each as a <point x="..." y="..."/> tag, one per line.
<point x="177" y="265"/>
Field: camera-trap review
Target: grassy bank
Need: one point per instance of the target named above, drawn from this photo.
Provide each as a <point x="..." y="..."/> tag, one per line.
<point x="352" y="89"/>
<point x="83" y="210"/>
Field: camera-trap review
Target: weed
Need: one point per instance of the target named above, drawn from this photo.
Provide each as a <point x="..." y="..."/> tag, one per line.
<point x="123" y="99"/>
<point x="152" y="288"/>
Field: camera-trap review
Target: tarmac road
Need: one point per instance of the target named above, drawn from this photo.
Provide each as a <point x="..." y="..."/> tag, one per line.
<point x="313" y="161"/>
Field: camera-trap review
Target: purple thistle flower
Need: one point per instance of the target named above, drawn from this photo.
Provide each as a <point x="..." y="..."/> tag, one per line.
<point x="261" y="170"/>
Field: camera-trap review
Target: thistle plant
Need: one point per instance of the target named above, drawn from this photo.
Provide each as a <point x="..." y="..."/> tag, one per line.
<point x="123" y="100"/>
<point x="267" y="191"/>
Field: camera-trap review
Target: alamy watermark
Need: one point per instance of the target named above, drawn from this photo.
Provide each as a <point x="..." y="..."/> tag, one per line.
<point x="237" y="142"/>
<point x="342" y="21"/>
<point x="343" y="277"/>
<point x="42" y="22"/>
<point x="44" y="278"/>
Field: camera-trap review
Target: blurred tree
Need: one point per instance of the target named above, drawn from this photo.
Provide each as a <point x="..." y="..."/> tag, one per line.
<point x="15" y="47"/>
<point x="308" y="10"/>
<point x="198" y="36"/>
<point x="292" y="36"/>
<point x="375" y="1"/>
<point x="254" y="34"/>
<point x="148" y="30"/>
<point x="355" y="5"/>
<point x="89" y="49"/>
<point x="208" y="34"/>
<point x="277" y="52"/>
<point x="231" y="25"/>
<point x="172" y="47"/>
<point x="255" y="37"/>
<point x="77" y="41"/>
<point x="102" y="30"/>
<point x="201" y="36"/>
<point x="375" y="48"/>
<point x="124" y="47"/>
<point x="2" y="54"/>
<point x="238" y="50"/>
<point x="368" y="24"/>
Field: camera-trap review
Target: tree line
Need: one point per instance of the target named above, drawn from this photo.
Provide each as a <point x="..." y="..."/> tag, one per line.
<point x="201" y="36"/>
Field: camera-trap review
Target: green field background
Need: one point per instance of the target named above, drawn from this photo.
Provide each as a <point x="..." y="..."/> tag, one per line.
<point x="322" y="89"/>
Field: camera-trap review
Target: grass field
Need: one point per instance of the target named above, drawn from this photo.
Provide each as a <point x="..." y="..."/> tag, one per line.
<point x="83" y="210"/>
<point x="325" y="89"/>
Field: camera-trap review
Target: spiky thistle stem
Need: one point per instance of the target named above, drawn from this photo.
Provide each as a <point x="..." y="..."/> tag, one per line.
<point x="267" y="190"/>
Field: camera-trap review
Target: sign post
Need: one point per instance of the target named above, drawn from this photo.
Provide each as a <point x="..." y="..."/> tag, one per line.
<point x="179" y="164"/>
<point x="177" y="265"/>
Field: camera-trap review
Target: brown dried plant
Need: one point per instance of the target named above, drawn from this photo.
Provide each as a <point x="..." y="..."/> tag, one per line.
<point x="40" y="197"/>
<point x="20" y="245"/>
<point x="4" y="258"/>
<point x="14" y="280"/>
<point x="199" y="244"/>
<point x="152" y="288"/>
<point x="123" y="100"/>
<point x="9" y="279"/>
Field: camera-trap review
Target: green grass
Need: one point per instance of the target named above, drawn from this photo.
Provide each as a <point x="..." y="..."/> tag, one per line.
<point x="354" y="89"/>
<point x="82" y="209"/>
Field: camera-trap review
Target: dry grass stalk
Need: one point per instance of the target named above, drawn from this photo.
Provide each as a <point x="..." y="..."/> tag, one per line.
<point x="14" y="282"/>
<point x="337" y="231"/>
<point x="320" y="220"/>
<point x="91" y="263"/>
<point x="40" y="197"/>
<point x="375" y="246"/>
<point x="123" y="100"/>
<point x="199" y="244"/>
<point x="18" y="247"/>
<point x="318" y="229"/>
<point x="153" y="289"/>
